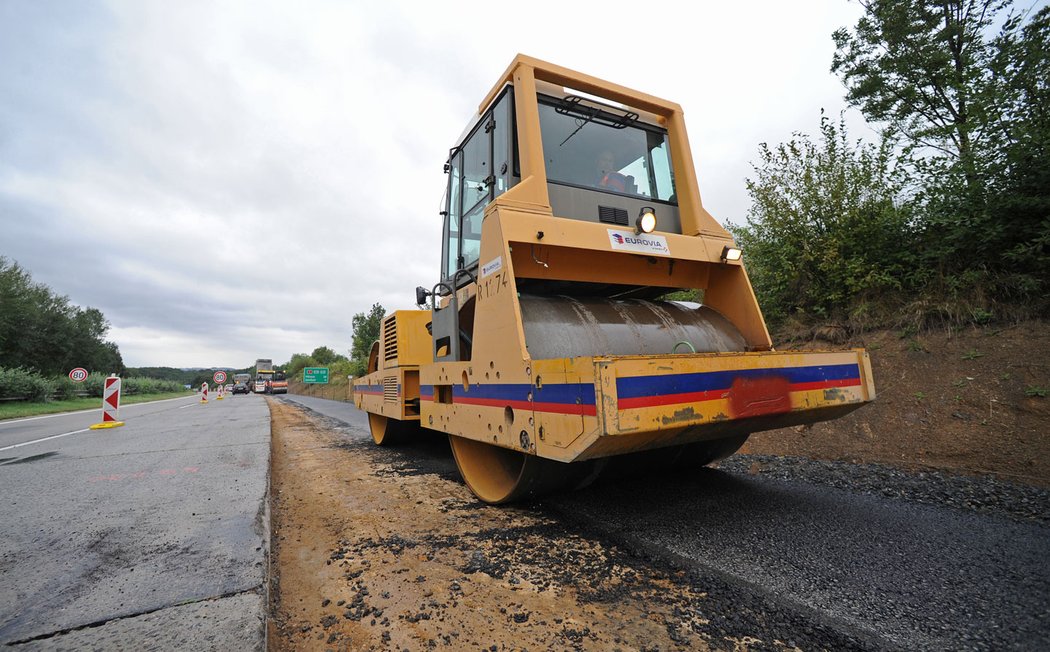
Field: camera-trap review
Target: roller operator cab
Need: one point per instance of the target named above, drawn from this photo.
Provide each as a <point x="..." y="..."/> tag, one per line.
<point x="547" y="354"/>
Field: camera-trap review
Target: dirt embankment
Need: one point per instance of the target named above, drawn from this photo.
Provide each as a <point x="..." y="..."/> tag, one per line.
<point x="974" y="401"/>
<point x="337" y="389"/>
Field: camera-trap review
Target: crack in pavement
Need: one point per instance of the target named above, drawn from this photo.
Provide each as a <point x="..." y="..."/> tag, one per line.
<point x="258" y="588"/>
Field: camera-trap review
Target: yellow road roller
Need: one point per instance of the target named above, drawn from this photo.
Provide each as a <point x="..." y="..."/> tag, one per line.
<point x="546" y="351"/>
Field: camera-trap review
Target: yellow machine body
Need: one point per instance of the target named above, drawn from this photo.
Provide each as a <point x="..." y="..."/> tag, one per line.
<point x="544" y="373"/>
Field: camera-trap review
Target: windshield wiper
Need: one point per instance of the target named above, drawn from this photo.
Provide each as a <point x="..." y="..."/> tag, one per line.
<point x="603" y="114"/>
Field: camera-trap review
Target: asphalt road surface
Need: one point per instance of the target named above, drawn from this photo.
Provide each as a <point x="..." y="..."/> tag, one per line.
<point x="886" y="572"/>
<point x="148" y="536"/>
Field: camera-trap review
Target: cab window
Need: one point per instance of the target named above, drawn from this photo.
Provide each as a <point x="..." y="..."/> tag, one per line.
<point x="613" y="153"/>
<point x="479" y="170"/>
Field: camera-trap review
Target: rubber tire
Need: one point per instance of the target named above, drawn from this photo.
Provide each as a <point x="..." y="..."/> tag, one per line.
<point x="498" y="475"/>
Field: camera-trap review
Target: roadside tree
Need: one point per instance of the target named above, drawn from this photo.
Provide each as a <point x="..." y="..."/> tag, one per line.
<point x="365" y="331"/>
<point x="963" y="85"/>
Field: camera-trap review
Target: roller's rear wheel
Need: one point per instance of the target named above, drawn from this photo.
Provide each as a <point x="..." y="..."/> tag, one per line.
<point x="500" y="475"/>
<point x="390" y="432"/>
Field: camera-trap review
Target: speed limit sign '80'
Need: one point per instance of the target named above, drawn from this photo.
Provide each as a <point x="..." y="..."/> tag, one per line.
<point x="220" y="377"/>
<point x="78" y="375"/>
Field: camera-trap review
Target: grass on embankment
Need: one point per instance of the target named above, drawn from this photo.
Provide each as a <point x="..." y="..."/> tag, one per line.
<point x="16" y="409"/>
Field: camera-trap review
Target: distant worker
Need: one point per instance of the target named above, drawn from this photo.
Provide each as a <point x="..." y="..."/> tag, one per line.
<point x="608" y="175"/>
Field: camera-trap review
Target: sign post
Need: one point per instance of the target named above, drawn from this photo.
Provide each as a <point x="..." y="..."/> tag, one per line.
<point x="78" y="375"/>
<point x="219" y="377"/>
<point x="204" y="392"/>
<point x="315" y="375"/>
<point x="110" y="403"/>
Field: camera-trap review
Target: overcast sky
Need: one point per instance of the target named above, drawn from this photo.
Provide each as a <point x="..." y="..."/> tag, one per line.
<point x="234" y="180"/>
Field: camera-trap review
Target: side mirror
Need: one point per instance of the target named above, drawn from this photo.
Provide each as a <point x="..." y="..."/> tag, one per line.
<point x="421" y="296"/>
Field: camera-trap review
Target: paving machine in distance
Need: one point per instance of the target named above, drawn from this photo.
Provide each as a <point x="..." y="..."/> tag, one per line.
<point x="279" y="383"/>
<point x="263" y="376"/>
<point x="547" y="354"/>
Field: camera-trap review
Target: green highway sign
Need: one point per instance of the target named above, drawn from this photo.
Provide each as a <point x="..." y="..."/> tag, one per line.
<point x="317" y="375"/>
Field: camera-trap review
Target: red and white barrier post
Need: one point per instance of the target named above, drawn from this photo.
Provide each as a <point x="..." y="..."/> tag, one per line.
<point x="204" y="392"/>
<point x="221" y="391"/>
<point x="110" y="404"/>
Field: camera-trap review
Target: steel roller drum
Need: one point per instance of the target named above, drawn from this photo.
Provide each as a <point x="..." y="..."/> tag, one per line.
<point x="562" y="327"/>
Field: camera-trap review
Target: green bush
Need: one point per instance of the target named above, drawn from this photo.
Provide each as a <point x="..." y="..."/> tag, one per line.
<point x="823" y="238"/>
<point x="94" y="385"/>
<point x="149" y="386"/>
<point x="22" y="383"/>
<point x="65" y="389"/>
<point x="341" y="369"/>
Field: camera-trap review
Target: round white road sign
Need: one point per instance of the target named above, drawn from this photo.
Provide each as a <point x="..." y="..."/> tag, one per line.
<point x="78" y="375"/>
<point x="220" y="377"/>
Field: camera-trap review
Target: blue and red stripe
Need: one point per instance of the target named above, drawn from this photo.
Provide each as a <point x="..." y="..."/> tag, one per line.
<point x="563" y="398"/>
<point x="375" y="390"/>
<point x="646" y="391"/>
<point x="651" y="391"/>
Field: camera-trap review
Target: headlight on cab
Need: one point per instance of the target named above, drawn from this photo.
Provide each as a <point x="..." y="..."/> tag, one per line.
<point x="646" y="221"/>
<point x="730" y="253"/>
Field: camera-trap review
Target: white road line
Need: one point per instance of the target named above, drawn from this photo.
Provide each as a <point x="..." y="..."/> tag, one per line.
<point x="37" y="441"/>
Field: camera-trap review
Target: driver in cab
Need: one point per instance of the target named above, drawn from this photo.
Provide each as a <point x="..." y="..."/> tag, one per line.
<point x="608" y="174"/>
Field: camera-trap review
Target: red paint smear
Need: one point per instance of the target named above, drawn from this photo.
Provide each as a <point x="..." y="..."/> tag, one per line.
<point x="752" y="397"/>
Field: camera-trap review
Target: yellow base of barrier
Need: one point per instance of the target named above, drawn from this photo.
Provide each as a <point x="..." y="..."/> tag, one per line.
<point x="107" y="424"/>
